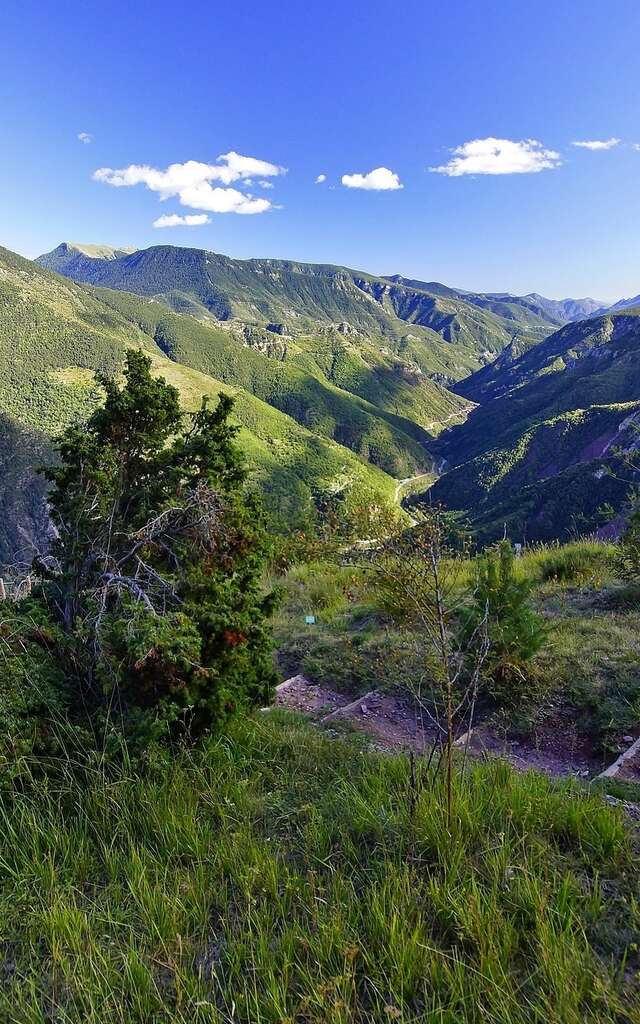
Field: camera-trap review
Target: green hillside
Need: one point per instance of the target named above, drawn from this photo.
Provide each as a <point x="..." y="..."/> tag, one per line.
<point x="402" y="318"/>
<point x="22" y="510"/>
<point x="594" y="362"/>
<point x="55" y="333"/>
<point x="536" y="450"/>
<point x="521" y="315"/>
<point x="552" y="481"/>
<point x="345" y="380"/>
<point x="533" y="310"/>
<point x="352" y="394"/>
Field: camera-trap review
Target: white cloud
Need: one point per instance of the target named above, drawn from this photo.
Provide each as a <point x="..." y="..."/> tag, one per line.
<point x="499" y="156"/>
<point x="597" y="143"/>
<point x="236" y="166"/>
<point x="85" y="137"/>
<point x="636" y="146"/>
<point x="221" y="200"/>
<point x="379" y="180"/>
<point x="191" y="182"/>
<point x="320" y="179"/>
<point x="174" y="220"/>
<point x="265" y="184"/>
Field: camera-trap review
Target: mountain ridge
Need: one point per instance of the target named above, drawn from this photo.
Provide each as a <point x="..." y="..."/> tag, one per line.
<point x="305" y="295"/>
<point x="541" y="449"/>
<point x="344" y="378"/>
<point x="561" y="310"/>
<point x="55" y="333"/>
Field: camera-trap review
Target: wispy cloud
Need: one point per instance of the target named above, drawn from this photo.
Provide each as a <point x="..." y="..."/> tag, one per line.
<point x="175" y="220"/>
<point x="499" y="156"/>
<point x="320" y="179"/>
<point x="85" y="137"/>
<point x="265" y="184"/>
<point x="192" y="181"/>
<point x="379" y="180"/>
<point x="597" y="143"/>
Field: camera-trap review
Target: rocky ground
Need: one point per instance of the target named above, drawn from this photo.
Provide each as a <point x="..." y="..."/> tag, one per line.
<point x="391" y="720"/>
<point x="395" y="721"/>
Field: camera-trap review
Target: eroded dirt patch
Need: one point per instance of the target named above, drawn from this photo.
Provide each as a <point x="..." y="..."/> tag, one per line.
<point x="392" y="720"/>
<point x="396" y="721"/>
<point x="300" y="694"/>
<point x="551" y="756"/>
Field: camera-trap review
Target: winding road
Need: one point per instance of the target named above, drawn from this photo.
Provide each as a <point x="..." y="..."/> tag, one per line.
<point x="409" y="480"/>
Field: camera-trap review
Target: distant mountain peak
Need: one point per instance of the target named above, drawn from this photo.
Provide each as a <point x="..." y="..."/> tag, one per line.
<point x="564" y="310"/>
<point x="624" y="304"/>
<point x="97" y="252"/>
<point x="67" y="254"/>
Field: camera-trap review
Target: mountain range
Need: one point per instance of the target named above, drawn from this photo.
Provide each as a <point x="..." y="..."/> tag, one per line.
<point x="81" y="262"/>
<point x="344" y="380"/>
<point x="548" y="445"/>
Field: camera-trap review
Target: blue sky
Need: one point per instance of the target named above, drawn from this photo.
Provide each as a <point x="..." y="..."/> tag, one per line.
<point x="338" y="89"/>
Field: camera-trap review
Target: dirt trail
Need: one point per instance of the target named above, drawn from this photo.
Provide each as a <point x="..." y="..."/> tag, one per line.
<point x="559" y="757"/>
<point x="452" y="415"/>
<point x="300" y="694"/>
<point x="394" y="721"/>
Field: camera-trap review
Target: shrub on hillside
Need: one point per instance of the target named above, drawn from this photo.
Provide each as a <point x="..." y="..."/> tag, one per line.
<point x="581" y="562"/>
<point x="32" y="685"/>
<point x="500" y="606"/>
<point x="627" y="561"/>
<point x="155" y="576"/>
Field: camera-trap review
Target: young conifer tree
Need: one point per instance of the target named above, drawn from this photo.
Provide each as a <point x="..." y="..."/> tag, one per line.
<point x="155" y="574"/>
<point x="516" y="631"/>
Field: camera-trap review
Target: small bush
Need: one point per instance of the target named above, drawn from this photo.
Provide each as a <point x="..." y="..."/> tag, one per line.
<point x="500" y="610"/>
<point x="155" y="576"/>
<point x="33" y="691"/>
<point x="627" y="559"/>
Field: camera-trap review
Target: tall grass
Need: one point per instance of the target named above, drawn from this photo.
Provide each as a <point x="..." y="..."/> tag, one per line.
<point x="330" y="589"/>
<point x="321" y="588"/>
<point x="281" y="876"/>
<point x="583" y="563"/>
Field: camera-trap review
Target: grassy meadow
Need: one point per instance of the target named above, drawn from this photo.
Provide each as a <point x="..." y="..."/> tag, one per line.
<point x="281" y="876"/>
<point x="588" y="668"/>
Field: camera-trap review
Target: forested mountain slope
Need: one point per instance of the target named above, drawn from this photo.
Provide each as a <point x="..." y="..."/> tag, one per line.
<point x="593" y="362"/>
<point x="54" y="334"/>
<point x="346" y="381"/>
<point x="538" y="451"/>
<point x="380" y="406"/>
<point x="532" y="311"/>
<point x="409" y="318"/>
